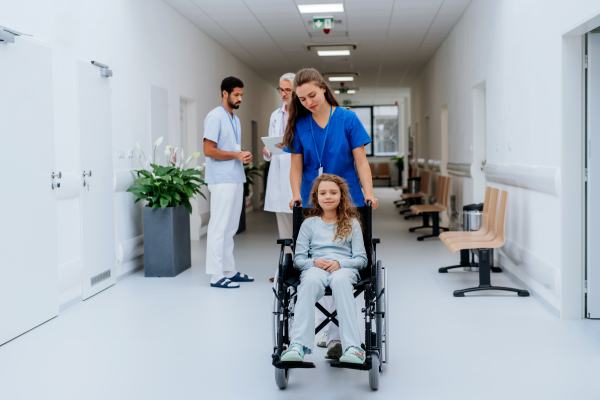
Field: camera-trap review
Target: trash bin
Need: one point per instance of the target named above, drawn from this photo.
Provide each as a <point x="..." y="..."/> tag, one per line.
<point x="414" y="185"/>
<point x="472" y="222"/>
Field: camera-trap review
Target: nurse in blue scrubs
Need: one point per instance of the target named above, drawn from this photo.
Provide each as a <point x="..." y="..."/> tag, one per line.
<point x="325" y="138"/>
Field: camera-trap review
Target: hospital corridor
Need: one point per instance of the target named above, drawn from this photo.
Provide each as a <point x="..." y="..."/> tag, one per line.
<point x="287" y="199"/>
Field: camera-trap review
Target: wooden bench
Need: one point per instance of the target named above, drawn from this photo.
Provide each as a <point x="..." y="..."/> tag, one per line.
<point x="381" y="171"/>
<point x="494" y="238"/>
<point x="483" y="230"/>
<point x="434" y="210"/>
<point x="416" y="198"/>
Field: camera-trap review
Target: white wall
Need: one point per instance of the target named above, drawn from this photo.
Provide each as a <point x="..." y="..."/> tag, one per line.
<point x="144" y="42"/>
<point x="516" y="48"/>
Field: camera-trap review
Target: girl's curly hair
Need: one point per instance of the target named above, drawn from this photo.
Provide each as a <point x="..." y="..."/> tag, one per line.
<point x="346" y="211"/>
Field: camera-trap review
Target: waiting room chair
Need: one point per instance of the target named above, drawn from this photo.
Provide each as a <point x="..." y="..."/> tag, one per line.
<point x="483" y="244"/>
<point x="434" y="210"/>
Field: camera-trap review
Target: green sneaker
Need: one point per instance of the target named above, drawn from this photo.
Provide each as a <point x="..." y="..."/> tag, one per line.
<point x="294" y="353"/>
<point x="353" y="355"/>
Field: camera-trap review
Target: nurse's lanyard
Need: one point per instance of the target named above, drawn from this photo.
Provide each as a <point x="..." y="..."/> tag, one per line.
<point x="238" y="147"/>
<point x="324" y="140"/>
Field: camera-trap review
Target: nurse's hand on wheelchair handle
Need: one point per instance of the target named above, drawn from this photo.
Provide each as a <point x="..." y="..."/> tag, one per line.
<point x="295" y="199"/>
<point x="373" y="200"/>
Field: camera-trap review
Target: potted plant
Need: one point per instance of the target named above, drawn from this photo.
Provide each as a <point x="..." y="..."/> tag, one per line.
<point x="167" y="191"/>
<point x="251" y="172"/>
<point x="399" y="163"/>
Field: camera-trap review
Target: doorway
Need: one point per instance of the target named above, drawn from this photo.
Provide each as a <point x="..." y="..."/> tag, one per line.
<point x="592" y="174"/>
<point x="444" y="140"/>
<point x="479" y="143"/>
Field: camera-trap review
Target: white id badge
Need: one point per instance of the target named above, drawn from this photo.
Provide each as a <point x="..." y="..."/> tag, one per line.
<point x="238" y="147"/>
<point x="320" y="171"/>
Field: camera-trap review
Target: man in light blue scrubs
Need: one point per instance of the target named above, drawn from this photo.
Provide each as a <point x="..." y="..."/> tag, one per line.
<point x="225" y="177"/>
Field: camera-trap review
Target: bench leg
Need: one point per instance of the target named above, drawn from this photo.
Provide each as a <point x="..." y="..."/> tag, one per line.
<point x="485" y="278"/>
<point x="464" y="262"/>
<point x="425" y="223"/>
<point x="436" y="227"/>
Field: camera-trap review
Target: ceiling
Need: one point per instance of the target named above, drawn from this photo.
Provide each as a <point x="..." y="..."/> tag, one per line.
<point x="395" y="38"/>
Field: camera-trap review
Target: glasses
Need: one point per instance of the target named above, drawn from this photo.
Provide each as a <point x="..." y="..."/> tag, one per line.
<point x="287" y="91"/>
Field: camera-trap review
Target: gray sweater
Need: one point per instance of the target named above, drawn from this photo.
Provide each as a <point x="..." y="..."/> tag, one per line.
<point x="315" y="240"/>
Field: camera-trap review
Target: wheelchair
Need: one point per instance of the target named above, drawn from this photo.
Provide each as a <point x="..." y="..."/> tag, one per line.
<point x="373" y="286"/>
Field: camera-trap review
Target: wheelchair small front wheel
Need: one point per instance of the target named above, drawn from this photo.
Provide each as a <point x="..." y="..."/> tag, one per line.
<point x="374" y="371"/>
<point x="281" y="377"/>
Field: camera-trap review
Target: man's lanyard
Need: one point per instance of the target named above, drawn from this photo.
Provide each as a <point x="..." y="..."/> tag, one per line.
<point x="283" y="120"/>
<point x="324" y="140"/>
<point x="232" y="124"/>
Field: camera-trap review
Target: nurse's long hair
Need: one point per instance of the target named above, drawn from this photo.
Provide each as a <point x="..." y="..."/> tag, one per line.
<point x="296" y="110"/>
<point x="346" y="211"/>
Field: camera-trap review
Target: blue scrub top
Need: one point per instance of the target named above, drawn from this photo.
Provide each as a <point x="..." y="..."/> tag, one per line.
<point x="346" y="133"/>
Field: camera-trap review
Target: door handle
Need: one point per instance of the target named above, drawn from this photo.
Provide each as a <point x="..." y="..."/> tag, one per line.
<point x="86" y="184"/>
<point x="89" y="173"/>
<point x="56" y="176"/>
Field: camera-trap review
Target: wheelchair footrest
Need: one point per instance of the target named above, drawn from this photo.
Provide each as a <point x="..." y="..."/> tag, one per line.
<point x="361" y="367"/>
<point x="293" y="364"/>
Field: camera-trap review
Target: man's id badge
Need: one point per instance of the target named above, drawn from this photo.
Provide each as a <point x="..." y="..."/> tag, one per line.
<point x="320" y="171"/>
<point x="238" y="147"/>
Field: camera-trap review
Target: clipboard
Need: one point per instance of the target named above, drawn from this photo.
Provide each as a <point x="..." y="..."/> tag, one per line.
<point x="271" y="142"/>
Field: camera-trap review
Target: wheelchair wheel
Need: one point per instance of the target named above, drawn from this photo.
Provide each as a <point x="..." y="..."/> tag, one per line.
<point x="380" y="308"/>
<point x="386" y="321"/>
<point x="281" y="377"/>
<point x="374" y="371"/>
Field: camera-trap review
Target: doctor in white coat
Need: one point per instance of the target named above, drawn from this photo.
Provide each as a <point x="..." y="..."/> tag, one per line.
<point x="279" y="193"/>
<point x="279" y="190"/>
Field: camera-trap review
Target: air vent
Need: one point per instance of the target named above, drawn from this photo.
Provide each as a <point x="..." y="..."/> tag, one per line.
<point x="100" y="277"/>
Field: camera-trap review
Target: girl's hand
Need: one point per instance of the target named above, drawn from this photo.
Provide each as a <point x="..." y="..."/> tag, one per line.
<point x="373" y="200"/>
<point x="321" y="263"/>
<point x="295" y="199"/>
<point x="332" y="266"/>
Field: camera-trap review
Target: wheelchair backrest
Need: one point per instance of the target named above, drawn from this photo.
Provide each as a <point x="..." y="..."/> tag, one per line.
<point x="365" y="214"/>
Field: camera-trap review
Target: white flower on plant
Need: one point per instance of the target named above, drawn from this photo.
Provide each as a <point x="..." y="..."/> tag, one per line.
<point x="138" y="146"/>
<point x="187" y="162"/>
<point x="158" y="142"/>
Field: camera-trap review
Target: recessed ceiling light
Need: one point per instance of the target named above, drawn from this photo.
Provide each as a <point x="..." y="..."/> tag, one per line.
<point x="321" y="8"/>
<point x="341" y="78"/>
<point x="325" y="53"/>
<point x="351" y="91"/>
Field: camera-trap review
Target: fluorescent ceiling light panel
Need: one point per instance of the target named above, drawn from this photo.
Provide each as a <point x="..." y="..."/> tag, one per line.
<point x="325" y="53"/>
<point x="351" y="91"/>
<point x="341" y="78"/>
<point x="337" y="92"/>
<point x="321" y="8"/>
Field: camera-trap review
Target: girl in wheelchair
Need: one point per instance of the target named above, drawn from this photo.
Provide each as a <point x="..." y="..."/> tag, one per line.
<point x="330" y="252"/>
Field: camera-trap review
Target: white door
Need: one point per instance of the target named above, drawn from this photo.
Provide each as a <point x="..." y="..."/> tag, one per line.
<point x="97" y="203"/>
<point x="29" y="264"/>
<point x="479" y="149"/>
<point x="593" y="182"/>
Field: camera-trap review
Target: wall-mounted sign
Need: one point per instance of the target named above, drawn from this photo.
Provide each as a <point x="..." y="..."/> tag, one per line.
<point x="323" y="23"/>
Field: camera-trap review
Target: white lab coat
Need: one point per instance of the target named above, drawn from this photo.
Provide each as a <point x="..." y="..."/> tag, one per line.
<point x="279" y="190"/>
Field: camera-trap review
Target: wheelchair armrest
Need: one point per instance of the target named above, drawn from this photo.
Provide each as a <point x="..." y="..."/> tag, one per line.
<point x="375" y="240"/>
<point x="285" y="242"/>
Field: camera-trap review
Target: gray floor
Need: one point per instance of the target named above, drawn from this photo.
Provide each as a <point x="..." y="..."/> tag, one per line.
<point x="179" y="339"/>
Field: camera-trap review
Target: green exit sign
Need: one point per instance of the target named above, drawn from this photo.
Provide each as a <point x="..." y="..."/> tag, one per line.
<point x="323" y="23"/>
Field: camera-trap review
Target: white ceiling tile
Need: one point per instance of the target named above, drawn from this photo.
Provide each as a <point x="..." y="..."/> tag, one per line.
<point x="270" y="35"/>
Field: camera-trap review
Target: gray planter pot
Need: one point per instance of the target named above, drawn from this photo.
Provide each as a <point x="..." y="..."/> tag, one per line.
<point x="167" y="250"/>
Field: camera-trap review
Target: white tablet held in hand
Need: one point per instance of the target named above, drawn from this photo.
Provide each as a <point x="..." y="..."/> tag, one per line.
<point x="271" y="143"/>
